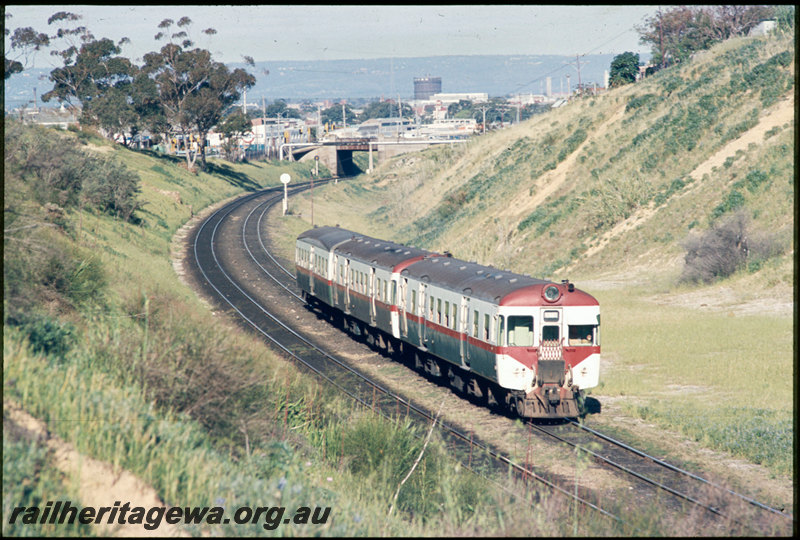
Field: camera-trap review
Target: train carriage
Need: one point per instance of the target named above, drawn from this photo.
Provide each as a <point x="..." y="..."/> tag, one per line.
<point x="360" y="277"/>
<point x="530" y="344"/>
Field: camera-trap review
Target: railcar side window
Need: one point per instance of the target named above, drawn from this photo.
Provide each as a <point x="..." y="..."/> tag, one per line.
<point x="582" y="334"/>
<point x="414" y="302"/>
<point x="447" y="314"/>
<point x="501" y="331"/>
<point x="520" y="331"/>
<point x="486" y="327"/>
<point x="454" y="316"/>
<point x="475" y="323"/>
<point x="430" y="310"/>
<point x="439" y="311"/>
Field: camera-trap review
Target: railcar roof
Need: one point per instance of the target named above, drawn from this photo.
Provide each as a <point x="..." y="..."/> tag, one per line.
<point x="469" y="278"/>
<point x="325" y="237"/>
<point x="372" y="250"/>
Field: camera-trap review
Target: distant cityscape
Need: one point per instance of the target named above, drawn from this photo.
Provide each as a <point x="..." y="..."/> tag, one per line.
<point x="429" y="86"/>
<point x="359" y="81"/>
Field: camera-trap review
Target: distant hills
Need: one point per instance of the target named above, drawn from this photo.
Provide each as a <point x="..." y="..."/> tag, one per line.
<point x="496" y="75"/>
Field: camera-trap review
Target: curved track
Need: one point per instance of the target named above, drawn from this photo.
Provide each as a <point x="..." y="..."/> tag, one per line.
<point x="232" y="262"/>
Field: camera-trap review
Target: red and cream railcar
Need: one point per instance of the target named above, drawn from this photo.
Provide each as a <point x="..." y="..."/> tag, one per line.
<point x="530" y="344"/>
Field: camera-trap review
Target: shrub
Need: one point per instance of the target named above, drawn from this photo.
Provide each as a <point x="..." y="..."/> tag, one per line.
<point x="46" y="335"/>
<point x="733" y="201"/>
<point x="59" y="173"/>
<point x="725" y="248"/>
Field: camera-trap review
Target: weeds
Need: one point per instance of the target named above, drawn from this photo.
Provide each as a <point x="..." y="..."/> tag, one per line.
<point x="740" y="431"/>
<point x="29" y="479"/>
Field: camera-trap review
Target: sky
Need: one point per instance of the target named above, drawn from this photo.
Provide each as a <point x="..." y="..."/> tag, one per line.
<point x="316" y="32"/>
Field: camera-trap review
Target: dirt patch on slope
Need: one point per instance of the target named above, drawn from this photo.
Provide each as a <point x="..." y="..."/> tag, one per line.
<point x="99" y="484"/>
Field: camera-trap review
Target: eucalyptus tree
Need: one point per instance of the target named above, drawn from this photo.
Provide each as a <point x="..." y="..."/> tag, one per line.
<point x="24" y="43"/>
<point x="96" y="76"/>
<point x="234" y="126"/>
<point x="194" y="90"/>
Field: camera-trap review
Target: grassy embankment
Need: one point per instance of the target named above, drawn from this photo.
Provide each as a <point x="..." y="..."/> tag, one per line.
<point x="605" y="192"/>
<point x="105" y="345"/>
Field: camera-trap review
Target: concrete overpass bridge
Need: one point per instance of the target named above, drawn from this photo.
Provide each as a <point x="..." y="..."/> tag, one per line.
<point x="337" y="155"/>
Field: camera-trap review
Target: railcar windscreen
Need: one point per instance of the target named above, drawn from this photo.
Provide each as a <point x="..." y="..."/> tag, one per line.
<point x="520" y="331"/>
<point x="582" y="334"/>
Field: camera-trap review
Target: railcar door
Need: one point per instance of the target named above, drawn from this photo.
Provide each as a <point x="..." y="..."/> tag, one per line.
<point x="313" y="267"/>
<point x="372" y="309"/>
<point x="463" y="330"/>
<point x="336" y="279"/>
<point x="403" y="313"/>
<point x="551" y="354"/>
<point x="347" y="278"/>
<point x="423" y="302"/>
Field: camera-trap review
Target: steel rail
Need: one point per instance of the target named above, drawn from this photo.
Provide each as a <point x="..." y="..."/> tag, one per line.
<point x="628" y="471"/>
<point x="679" y="470"/>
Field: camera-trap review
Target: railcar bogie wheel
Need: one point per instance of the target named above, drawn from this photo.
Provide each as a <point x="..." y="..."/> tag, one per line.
<point x="433" y="367"/>
<point x="419" y="359"/>
<point x="456" y="381"/>
<point x="491" y="397"/>
<point x="475" y="392"/>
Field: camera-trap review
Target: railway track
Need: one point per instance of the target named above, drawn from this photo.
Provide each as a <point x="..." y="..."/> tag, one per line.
<point x="665" y="477"/>
<point x="232" y="261"/>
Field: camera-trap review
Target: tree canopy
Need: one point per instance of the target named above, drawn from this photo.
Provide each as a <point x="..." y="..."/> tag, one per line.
<point x="178" y="87"/>
<point x="674" y="34"/>
<point x="624" y="69"/>
<point x="193" y="89"/>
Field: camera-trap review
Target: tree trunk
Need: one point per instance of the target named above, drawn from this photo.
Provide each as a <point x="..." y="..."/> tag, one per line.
<point x="202" y="144"/>
<point x="190" y="158"/>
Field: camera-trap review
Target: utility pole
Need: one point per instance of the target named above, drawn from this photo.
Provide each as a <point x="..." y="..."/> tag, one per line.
<point x="577" y="66"/>
<point x="399" y="114"/>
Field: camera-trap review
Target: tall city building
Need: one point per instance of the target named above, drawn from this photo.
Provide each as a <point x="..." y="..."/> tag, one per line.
<point x="425" y="87"/>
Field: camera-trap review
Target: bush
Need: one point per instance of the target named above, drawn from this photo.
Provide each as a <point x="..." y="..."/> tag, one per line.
<point x="726" y="248"/>
<point x="46" y="335"/>
<point x="56" y="172"/>
<point x="718" y="252"/>
<point x="733" y="201"/>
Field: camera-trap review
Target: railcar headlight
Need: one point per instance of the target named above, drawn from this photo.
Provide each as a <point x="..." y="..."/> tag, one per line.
<point x="551" y="293"/>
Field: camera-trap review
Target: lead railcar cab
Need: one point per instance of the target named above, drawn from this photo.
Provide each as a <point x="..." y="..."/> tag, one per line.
<point x="528" y="343"/>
